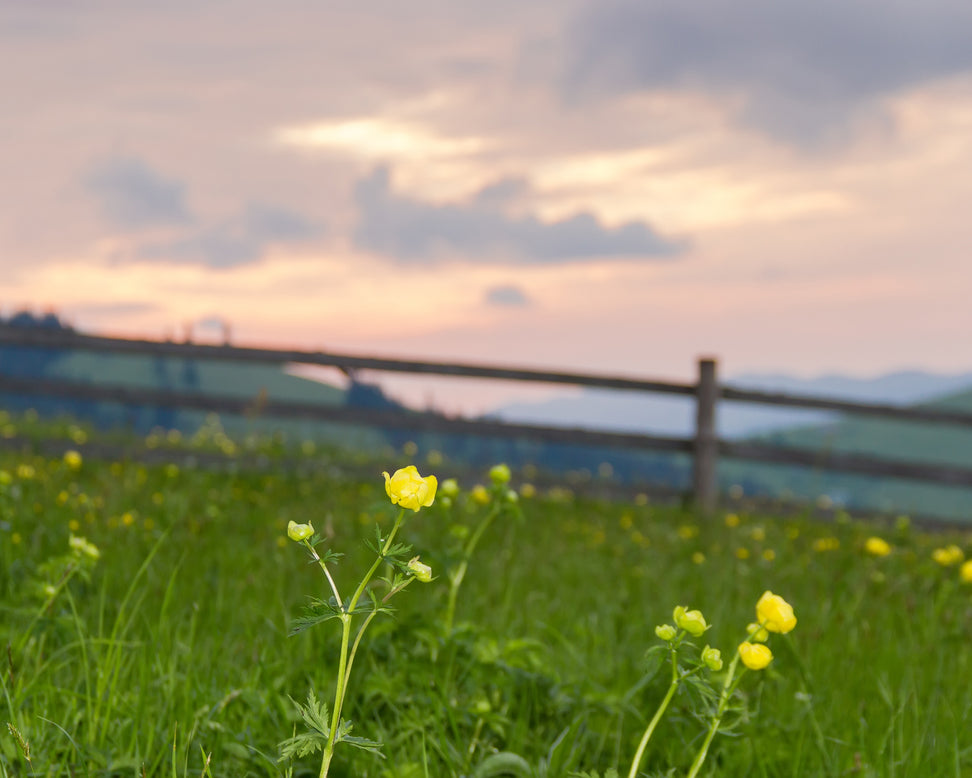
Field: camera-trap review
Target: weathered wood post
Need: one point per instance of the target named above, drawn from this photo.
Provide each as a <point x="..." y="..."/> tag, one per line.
<point x="704" y="485"/>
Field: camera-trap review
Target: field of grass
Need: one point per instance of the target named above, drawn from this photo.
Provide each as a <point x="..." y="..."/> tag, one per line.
<point x="166" y="651"/>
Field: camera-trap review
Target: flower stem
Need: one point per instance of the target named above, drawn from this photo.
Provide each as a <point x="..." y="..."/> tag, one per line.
<point x="636" y="762"/>
<point x="456" y="578"/>
<point x="727" y="689"/>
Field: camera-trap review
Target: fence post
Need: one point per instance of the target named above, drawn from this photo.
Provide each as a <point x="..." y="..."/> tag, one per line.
<point x="704" y="485"/>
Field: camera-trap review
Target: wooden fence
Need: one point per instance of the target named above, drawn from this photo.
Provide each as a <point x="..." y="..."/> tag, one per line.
<point x="704" y="446"/>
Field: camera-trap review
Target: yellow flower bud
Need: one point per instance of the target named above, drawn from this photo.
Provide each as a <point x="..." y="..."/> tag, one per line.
<point x="410" y="490"/>
<point x="775" y="613"/>
<point x="756" y="633"/>
<point x="449" y="487"/>
<point x="421" y="572"/>
<point x="712" y="658"/>
<point x="877" y="546"/>
<point x="299" y="532"/>
<point x="480" y="494"/>
<point x="500" y="474"/>
<point x="755" y="656"/>
<point x="81" y="546"/>
<point x="692" y="622"/>
<point x="948" y="556"/>
<point x="665" y="631"/>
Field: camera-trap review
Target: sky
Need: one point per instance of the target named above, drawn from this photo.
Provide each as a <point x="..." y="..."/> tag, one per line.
<point x="613" y="186"/>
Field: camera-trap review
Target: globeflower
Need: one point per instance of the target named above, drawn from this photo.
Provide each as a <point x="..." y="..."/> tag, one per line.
<point x="410" y="490"/>
<point x="421" y="571"/>
<point x="712" y="658"/>
<point x="72" y="459"/>
<point x="755" y="656"/>
<point x="500" y="474"/>
<point x="666" y="632"/>
<point x="775" y="613"/>
<point x="877" y="546"/>
<point x="299" y="532"/>
<point x="692" y="622"/>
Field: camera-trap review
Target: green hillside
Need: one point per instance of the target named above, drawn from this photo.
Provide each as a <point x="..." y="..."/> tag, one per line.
<point x="904" y="440"/>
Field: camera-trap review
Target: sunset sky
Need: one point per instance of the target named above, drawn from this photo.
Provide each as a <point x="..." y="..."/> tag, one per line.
<point x="613" y="186"/>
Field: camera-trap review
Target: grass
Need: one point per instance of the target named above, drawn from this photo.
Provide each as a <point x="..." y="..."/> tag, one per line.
<point x="170" y="655"/>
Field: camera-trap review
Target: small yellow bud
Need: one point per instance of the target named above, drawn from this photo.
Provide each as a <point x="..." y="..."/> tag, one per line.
<point x="299" y="532"/>
<point x="692" y="622"/>
<point x="755" y="656"/>
<point x="480" y="494"/>
<point x="666" y="632"/>
<point x="421" y="572"/>
<point x="775" y="613"/>
<point x="757" y="633"/>
<point x="500" y="474"/>
<point x="449" y="487"/>
<point x="712" y="658"/>
<point x="82" y="547"/>
<point x="948" y="556"/>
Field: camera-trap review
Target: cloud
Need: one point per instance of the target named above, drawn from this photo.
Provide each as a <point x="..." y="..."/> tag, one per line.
<point x="507" y="296"/>
<point x="133" y="196"/>
<point x="411" y="229"/>
<point x="805" y="72"/>
<point x="237" y="241"/>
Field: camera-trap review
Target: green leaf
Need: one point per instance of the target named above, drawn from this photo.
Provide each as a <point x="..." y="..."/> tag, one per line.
<point x="315" y="612"/>
<point x="344" y="736"/>
<point x="504" y="763"/>
<point x="315" y="717"/>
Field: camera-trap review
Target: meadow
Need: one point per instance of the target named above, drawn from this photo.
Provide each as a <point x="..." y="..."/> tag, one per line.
<point x="147" y="612"/>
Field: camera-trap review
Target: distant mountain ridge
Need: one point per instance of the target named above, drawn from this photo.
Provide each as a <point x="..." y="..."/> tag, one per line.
<point x="672" y="415"/>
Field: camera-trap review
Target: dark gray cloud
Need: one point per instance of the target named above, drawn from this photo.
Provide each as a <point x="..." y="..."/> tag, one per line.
<point x="507" y="296"/>
<point x="237" y="241"/>
<point x="805" y="71"/>
<point x="411" y="229"/>
<point x="133" y="196"/>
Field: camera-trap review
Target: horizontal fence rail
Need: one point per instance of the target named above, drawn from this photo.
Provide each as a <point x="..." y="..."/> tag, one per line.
<point x="704" y="447"/>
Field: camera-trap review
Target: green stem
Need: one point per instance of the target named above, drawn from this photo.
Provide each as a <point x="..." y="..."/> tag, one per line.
<point x="344" y="664"/>
<point x="636" y="762"/>
<point x="727" y="690"/>
<point x="327" y="574"/>
<point x="456" y="578"/>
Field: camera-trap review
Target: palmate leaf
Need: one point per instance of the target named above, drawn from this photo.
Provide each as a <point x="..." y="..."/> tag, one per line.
<point x="315" y="612"/>
<point x="315" y="717"/>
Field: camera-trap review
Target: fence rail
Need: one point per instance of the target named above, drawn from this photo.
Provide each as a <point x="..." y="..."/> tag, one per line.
<point x="704" y="446"/>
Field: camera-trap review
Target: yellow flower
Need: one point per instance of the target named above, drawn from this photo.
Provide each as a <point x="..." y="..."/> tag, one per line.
<point x="449" y="487"/>
<point x="72" y="459"/>
<point x="948" y="556"/>
<point x="299" y="532"/>
<point x="965" y="572"/>
<point x="755" y="656"/>
<point x="81" y="546"/>
<point x="732" y="520"/>
<point x="826" y="544"/>
<point x="410" y="490"/>
<point x="877" y="546"/>
<point x="421" y="572"/>
<point x="698" y="558"/>
<point x="692" y="622"/>
<point x="775" y="613"/>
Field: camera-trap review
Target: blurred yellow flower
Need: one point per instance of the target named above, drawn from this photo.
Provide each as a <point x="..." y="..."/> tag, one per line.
<point x="480" y="494"/>
<point x="698" y="558"/>
<point x="755" y="656"/>
<point x="826" y="544"/>
<point x="528" y="491"/>
<point x="769" y="554"/>
<point x="732" y="520"/>
<point x="742" y="553"/>
<point x="410" y="490"/>
<point x="72" y="459"/>
<point x="948" y="556"/>
<point x="877" y="546"/>
<point x="758" y="534"/>
<point x="449" y="487"/>
<point x="775" y="613"/>
<point x="500" y="474"/>
<point x="965" y="572"/>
